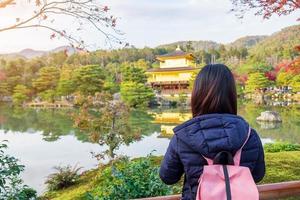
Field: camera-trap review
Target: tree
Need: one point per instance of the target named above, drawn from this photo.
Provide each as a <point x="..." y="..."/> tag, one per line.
<point x="133" y="73"/>
<point x="58" y="59"/>
<point x="111" y="85"/>
<point x="109" y="126"/>
<point x="255" y="82"/>
<point x="283" y="78"/>
<point x="89" y="79"/>
<point x="11" y="185"/>
<point x="4" y="90"/>
<point x="192" y="80"/>
<point x="266" y="8"/>
<point x="66" y="84"/>
<point x="47" y="79"/>
<point x="141" y="63"/>
<point x="48" y="95"/>
<point x="136" y="94"/>
<point x="82" y="12"/>
<point x="14" y="71"/>
<point x="20" y="94"/>
<point x="294" y="67"/>
<point x="295" y="83"/>
<point x="260" y="67"/>
<point x="65" y="87"/>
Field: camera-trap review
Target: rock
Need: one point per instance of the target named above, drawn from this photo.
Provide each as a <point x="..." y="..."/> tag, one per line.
<point x="269" y="125"/>
<point x="269" y="116"/>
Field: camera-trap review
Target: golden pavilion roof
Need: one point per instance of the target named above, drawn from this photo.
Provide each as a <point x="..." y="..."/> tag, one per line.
<point x="178" y="53"/>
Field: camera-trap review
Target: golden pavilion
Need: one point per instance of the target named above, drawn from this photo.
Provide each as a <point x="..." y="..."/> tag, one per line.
<point x="174" y="73"/>
<point x="168" y="121"/>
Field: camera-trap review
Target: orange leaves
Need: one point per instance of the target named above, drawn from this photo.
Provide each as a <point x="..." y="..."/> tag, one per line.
<point x="38" y="2"/>
<point x="297" y="48"/>
<point x="291" y="67"/>
<point x="5" y="3"/>
<point x="294" y="67"/>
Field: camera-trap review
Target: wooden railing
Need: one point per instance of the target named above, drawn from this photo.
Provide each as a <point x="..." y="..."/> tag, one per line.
<point x="266" y="192"/>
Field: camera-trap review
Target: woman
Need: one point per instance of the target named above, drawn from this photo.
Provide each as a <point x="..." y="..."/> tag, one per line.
<point x="215" y="127"/>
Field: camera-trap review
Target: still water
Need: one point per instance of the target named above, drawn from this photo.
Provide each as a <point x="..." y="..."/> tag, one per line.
<point x="42" y="139"/>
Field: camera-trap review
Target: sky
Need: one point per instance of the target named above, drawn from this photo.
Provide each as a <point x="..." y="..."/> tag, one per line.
<point x="150" y="23"/>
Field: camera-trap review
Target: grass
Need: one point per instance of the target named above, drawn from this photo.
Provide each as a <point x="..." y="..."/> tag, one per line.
<point x="281" y="166"/>
<point x="85" y="183"/>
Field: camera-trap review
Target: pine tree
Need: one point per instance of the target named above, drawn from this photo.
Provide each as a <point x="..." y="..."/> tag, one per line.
<point x="20" y="94"/>
<point x="89" y="79"/>
<point x="47" y="79"/>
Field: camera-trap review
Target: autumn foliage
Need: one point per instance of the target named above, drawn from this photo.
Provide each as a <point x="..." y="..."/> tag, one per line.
<point x="266" y="8"/>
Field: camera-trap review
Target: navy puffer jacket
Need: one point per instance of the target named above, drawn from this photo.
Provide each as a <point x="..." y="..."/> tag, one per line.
<point x="207" y="135"/>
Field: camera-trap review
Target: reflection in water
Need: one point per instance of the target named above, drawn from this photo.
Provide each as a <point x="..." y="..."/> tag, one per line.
<point x="42" y="139"/>
<point x="269" y="125"/>
<point x="288" y="130"/>
<point x="168" y="120"/>
<point x="52" y="124"/>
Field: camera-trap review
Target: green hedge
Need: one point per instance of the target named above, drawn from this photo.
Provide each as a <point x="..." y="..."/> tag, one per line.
<point x="280" y="147"/>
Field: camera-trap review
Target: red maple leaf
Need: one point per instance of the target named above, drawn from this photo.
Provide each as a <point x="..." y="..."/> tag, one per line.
<point x="52" y="36"/>
<point x="271" y="75"/>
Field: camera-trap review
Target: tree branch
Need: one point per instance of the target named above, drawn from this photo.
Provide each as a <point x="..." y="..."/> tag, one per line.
<point x="89" y="11"/>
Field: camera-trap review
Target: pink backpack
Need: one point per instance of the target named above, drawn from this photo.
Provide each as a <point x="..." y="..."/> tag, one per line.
<point x="227" y="182"/>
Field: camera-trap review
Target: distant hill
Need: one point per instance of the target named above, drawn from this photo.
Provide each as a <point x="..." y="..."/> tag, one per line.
<point x="31" y="53"/>
<point x="247" y="41"/>
<point x="278" y="45"/>
<point x="70" y="50"/>
<point x="259" y="45"/>
<point x="196" y="45"/>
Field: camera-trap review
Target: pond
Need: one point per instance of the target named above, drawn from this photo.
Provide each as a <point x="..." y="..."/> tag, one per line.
<point x="45" y="138"/>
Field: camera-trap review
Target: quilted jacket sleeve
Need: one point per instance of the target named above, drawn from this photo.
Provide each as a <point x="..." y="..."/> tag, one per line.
<point x="258" y="171"/>
<point x="171" y="168"/>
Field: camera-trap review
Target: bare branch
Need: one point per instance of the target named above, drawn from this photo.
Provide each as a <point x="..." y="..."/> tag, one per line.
<point x="88" y="11"/>
<point x="71" y="39"/>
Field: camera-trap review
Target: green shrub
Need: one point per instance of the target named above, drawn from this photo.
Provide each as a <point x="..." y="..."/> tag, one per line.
<point x="281" y="146"/>
<point x="11" y="185"/>
<point x="48" y="95"/>
<point x="20" y="95"/>
<point x="63" y="178"/>
<point x="129" y="180"/>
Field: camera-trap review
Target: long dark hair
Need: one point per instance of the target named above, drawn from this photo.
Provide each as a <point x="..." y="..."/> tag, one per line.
<point x="214" y="91"/>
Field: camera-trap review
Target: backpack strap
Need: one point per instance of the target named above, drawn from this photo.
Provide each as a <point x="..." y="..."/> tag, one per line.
<point x="208" y="160"/>
<point x="237" y="156"/>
